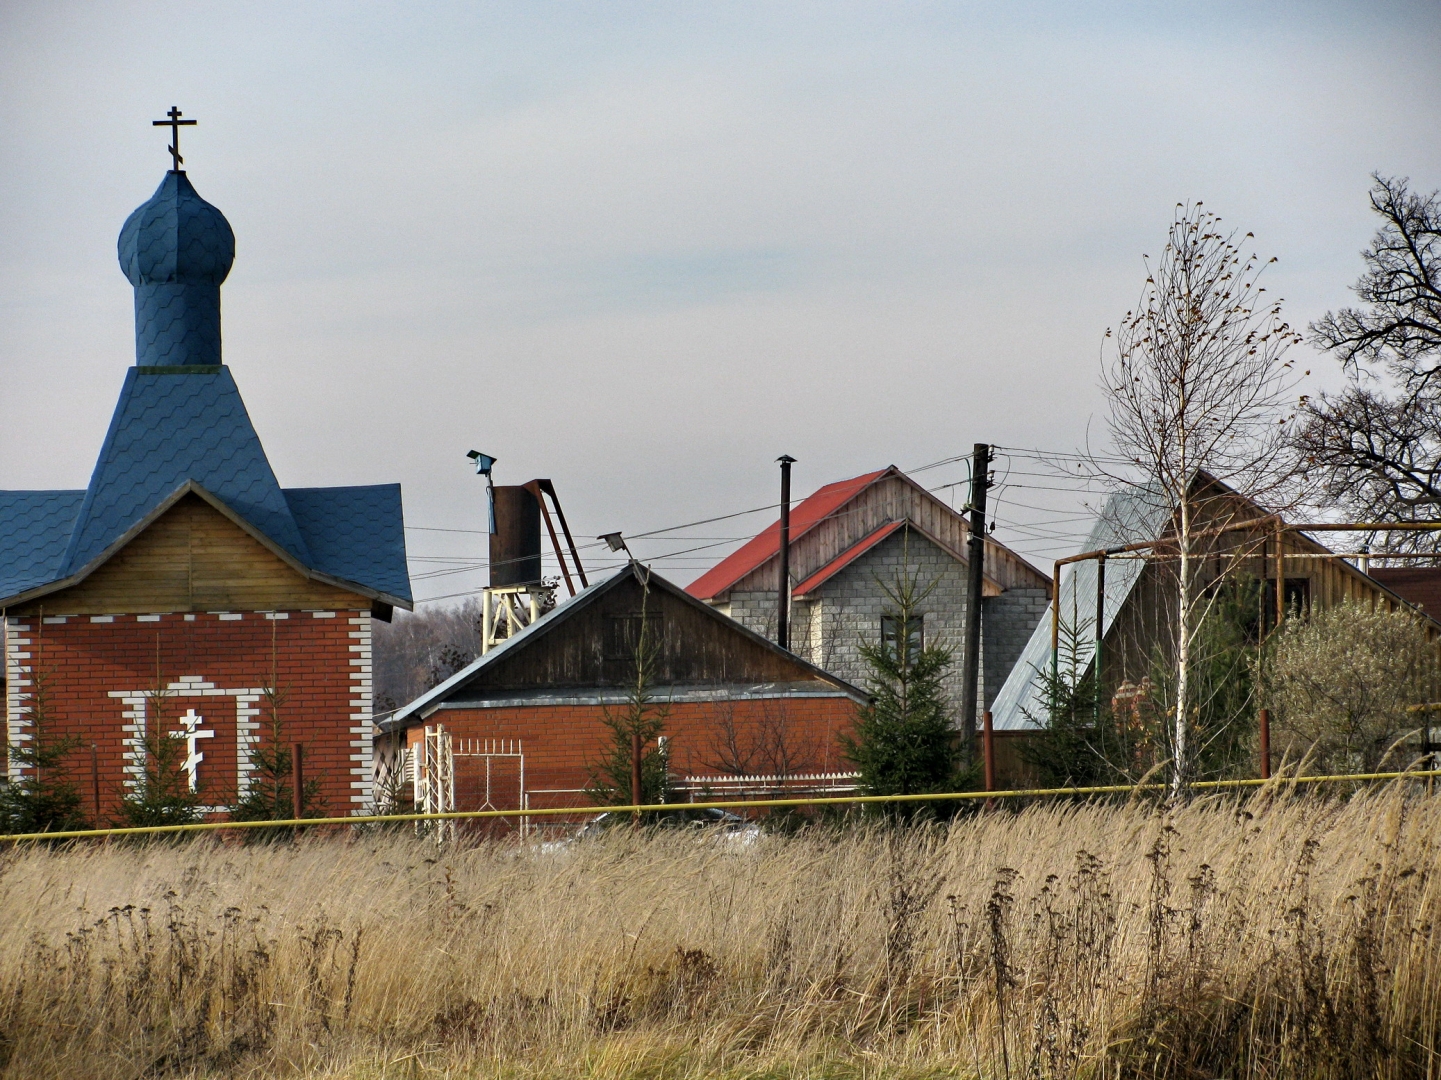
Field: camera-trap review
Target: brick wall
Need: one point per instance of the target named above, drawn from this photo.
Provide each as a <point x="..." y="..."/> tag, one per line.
<point x="561" y="742"/>
<point x="98" y="675"/>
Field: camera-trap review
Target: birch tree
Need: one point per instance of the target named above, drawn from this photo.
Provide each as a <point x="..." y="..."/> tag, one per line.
<point x="1196" y="383"/>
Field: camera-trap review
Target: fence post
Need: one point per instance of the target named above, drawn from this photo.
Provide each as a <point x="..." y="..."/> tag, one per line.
<point x="1265" y="744"/>
<point x="988" y="746"/>
<point x="95" y="778"/>
<point x="297" y="765"/>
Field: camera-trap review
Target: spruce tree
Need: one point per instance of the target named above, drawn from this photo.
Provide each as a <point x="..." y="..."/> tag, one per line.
<point x="904" y="742"/>
<point x="641" y="715"/>
<point x="161" y="793"/>
<point x="43" y="798"/>
<point x="270" y="795"/>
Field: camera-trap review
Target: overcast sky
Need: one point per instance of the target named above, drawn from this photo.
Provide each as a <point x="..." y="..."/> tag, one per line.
<point x="643" y="249"/>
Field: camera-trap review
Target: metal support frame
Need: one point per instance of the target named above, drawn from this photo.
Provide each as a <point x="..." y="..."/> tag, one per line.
<point x="505" y="611"/>
<point x="433" y="777"/>
<point x="540" y="488"/>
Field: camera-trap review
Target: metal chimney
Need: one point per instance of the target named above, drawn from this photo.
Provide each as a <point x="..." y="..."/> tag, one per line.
<point x="515" y="544"/>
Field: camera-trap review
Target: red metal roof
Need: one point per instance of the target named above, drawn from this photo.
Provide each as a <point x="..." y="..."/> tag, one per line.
<point x="824" y="502"/>
<point x="845" y="558"/>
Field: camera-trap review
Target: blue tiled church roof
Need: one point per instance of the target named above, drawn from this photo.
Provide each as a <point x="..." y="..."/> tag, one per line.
<point x="35" y="528"/>
<point x="171" y="426"/>
<point x="355" y="533"/>
<point x="190" y="426"/>
<point x="176" y="249"/>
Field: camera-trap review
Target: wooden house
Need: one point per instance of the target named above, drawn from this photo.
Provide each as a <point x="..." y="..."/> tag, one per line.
<point x="1241" y="546"/>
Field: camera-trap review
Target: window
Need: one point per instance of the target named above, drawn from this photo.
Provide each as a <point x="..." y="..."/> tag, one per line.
<point x="1298" y="600"/>
<point x="913" y="632"/>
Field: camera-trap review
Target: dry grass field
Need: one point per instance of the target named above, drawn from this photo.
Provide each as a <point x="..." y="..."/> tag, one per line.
<point x="1277" y="937"/>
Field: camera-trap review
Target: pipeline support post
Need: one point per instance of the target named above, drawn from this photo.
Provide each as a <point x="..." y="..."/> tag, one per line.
<point x="1265" y="744"/>
<point x="95" y="778"/>
<point x="1100" y="628"/>
<point x="1055" y="622"/>
<point x="297" y="767"/>
<point x="1280" y="574"/>
<point x="988" y="748"/>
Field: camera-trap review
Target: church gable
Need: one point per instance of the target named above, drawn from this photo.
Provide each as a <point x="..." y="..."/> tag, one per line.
<point x="193" y="558"/>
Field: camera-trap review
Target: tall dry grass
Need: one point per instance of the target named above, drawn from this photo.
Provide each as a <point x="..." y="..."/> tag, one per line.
<point x="1277" y="937"/>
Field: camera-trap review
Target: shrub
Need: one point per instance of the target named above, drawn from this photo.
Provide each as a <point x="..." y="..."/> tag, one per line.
<point x="1339" y="685"/>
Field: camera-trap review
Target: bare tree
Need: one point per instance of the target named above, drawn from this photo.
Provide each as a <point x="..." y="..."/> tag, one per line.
<point x="421" y="649"/>
<point x="1376" y="446"/>
<point x="1197" y="386"/>
<point x="770" y="743"/>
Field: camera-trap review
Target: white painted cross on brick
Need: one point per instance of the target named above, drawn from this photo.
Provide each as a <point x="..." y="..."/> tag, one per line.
<point x="192" y="721"/>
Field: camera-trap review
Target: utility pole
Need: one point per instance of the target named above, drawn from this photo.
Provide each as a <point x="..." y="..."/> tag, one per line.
<point x="980" y="481"/>
<point x="783" y="590"/>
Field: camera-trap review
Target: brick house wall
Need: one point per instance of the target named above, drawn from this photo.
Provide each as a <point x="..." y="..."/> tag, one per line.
<point x="561" y="742"/>
<point x="98" y="673"/>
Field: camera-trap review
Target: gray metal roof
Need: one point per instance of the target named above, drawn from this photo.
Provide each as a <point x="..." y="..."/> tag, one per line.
<point x="1126" y="517"/>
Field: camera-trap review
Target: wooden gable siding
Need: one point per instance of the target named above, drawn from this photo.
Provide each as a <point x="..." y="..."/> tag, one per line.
<point x="1145" y="622"/>
<point x="696" y="647"/>
<point x="891" y="498"/>
<point x="192" y="558"/>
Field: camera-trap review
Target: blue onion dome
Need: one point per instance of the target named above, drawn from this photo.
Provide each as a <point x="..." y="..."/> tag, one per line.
<point x="176" y="249"/>
<point x="177" y="237"/>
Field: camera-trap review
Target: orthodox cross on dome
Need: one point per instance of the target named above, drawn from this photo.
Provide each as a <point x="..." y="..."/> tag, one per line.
<point x="174" y="124"/>
<point x="190" y="733"/>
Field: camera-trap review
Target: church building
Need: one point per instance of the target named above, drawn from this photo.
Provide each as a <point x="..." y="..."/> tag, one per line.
<point x="184" y="581"/>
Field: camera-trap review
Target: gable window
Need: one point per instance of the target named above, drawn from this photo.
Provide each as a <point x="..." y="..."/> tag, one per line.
<point x="894" y="630"/>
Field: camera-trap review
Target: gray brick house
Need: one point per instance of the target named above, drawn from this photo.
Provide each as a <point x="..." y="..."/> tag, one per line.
<point x="851" y="539"/>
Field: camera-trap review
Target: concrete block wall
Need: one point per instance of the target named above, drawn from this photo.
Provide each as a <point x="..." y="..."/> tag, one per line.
<point x="827" y="628"/>
<point x="1007" y="622"/>
<point x="98" y="675"/>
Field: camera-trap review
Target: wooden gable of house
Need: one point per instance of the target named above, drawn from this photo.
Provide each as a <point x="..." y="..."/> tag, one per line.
<point x="193" y="558"/>
<point x="891" y="498"/>
<point x="595" y="645"/>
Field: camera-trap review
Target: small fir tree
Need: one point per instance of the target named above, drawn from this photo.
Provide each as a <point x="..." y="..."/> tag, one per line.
<point x="271" y="793"/>
<point x="44" y="798"/>
<point x="1077" y="744"/>
<point x="161" y="794"/>
<point x="904" y="742"/>
<point x="610" y="778"/>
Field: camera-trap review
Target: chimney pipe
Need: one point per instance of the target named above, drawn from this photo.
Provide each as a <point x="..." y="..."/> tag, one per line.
<point x="783" y="587"/>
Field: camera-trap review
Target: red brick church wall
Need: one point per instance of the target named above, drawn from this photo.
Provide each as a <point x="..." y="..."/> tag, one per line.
<point x="96" y="672"/>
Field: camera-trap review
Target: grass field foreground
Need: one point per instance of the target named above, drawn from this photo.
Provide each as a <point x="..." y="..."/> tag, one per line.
<point x="1277" y="936"/>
